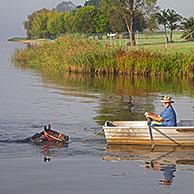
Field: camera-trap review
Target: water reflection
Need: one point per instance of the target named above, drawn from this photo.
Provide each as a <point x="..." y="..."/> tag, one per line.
<point x="122" y="85"/>
<point x="163" y="159"/>
<point x="120" y="98"/>
<point x="49" y="150"/>
<point x="168" y="172"/>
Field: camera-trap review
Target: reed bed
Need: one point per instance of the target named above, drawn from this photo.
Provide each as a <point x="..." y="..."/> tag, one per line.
<point x="81" y="55"/>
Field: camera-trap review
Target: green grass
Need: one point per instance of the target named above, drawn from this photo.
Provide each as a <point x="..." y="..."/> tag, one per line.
<point x="155" y="42"/>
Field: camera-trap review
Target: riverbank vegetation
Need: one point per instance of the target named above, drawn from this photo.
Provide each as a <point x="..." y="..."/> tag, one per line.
<point x="75" y="40"/>
<point x="81" y="55"/>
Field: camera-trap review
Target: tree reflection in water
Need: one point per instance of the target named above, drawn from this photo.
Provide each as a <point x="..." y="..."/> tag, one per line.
<point x="122" y="97"/>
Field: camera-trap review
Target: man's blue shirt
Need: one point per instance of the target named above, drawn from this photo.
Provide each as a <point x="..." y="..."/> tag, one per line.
<point x="169" y="116"/>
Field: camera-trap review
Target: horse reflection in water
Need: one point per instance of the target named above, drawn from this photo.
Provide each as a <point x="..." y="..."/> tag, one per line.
<point x="163" y="159"/>
<point x="48" y="152"/>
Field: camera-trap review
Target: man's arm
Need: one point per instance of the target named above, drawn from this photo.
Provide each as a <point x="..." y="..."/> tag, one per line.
<point x="154" y="116"/>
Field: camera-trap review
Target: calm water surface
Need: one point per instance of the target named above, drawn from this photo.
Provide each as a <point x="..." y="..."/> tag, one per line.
<point x="78" y="105"/>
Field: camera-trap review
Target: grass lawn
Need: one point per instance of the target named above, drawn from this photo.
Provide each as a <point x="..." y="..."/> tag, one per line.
<point x="155" y="42"/>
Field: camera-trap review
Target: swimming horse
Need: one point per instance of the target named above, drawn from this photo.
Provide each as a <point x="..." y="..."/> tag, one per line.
<point x="49" y="136"/>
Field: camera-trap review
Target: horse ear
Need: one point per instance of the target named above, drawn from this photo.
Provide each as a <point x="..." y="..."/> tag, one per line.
<point x="45" y="128"/>
<point x="49" y="126"/>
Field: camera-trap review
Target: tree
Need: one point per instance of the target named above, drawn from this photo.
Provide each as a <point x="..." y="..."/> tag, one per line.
<point x="129" y="9"/>
<point x="187" y="25"/>
<point x="172" y="19"/>
<point x="90" y="19"/>
<point x="162" y="19"/>
<point x="169" y="19"/>
<point x="68" y="22"/>
<point x="84" y="20"/>
<point x="94" y="3"/>
<point x="55" y="24"/>
<point x="100" y="21"/>
<point x="114" y="15"/>
<point x="36" y="25"/>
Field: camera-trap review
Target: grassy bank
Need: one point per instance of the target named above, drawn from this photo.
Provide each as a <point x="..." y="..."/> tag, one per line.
<point x="79" y="55"/>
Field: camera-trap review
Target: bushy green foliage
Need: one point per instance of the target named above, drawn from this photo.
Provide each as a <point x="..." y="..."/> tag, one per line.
<point x="55" y="24"/>
<point x="95" y="17"/>
<point x="95" y="3"/>
<point x="36" y="25"/>
<point x="72" y="54"/>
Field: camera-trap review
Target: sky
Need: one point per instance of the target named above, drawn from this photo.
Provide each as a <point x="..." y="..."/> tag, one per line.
<point x="14" y="12"/>
<point x="183" y="7"/>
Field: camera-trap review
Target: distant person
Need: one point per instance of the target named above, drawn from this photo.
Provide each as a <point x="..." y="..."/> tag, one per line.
<point x="166" y="118"/>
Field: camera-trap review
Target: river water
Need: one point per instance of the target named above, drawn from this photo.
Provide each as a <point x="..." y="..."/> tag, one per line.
<point x="78" y="105"/>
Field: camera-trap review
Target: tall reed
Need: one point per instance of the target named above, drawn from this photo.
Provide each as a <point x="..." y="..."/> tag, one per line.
<point x="79" y="55"/>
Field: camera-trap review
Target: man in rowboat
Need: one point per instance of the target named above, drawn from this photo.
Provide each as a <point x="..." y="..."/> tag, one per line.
<point x="167" y="117"/>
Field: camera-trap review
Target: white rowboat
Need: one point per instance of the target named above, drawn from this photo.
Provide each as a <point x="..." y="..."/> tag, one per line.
<point x="137" y="133"/>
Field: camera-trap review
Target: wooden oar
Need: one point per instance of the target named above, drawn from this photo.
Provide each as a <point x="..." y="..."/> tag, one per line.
<point x="151" y="135"/>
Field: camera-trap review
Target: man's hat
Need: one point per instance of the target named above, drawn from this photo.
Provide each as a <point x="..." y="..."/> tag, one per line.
<point x="167" y="99"/>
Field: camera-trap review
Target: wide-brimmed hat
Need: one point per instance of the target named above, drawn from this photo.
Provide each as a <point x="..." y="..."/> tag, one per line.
<point x="167" y="99"/>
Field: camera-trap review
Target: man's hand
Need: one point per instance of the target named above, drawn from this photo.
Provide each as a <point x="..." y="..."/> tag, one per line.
<point x="153" y="116"/>
<point x="146" y="114"/>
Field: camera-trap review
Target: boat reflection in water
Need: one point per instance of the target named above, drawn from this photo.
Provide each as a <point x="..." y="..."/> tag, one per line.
<point x="165" y="159"/>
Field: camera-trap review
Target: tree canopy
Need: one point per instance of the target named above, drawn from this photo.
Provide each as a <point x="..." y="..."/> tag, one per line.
<point x="104" y="16"/>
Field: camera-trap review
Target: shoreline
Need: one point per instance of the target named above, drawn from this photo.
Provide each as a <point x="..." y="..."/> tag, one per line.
<point x="27" y="41"/>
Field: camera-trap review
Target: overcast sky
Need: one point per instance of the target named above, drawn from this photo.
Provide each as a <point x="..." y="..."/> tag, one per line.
<point x="14" y="12"/>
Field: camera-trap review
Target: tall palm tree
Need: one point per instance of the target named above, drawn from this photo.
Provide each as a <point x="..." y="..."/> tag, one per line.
<point x="172" y="18"/>
<point x="187" y="25"/>
<point x="162" y="19"/>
